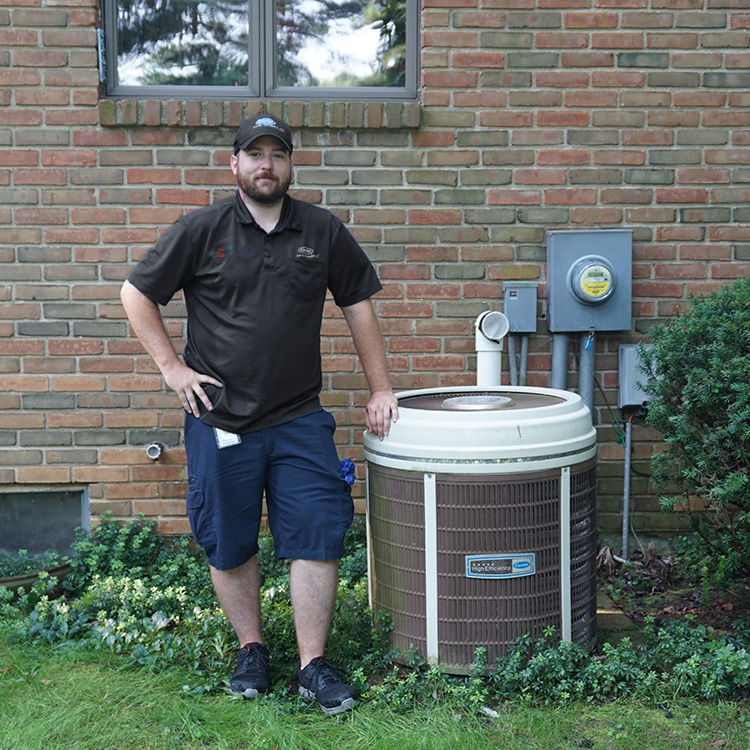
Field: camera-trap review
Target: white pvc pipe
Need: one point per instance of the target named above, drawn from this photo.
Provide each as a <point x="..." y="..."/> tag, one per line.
<point x="490" y="329"/>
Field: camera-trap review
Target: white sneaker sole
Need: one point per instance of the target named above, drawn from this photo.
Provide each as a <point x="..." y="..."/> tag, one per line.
<point x="250" y="693"/>
<point x="346" y="705"/>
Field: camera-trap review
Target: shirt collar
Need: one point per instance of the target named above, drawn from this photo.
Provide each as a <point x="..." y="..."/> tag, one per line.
<point x="289" y="218"/>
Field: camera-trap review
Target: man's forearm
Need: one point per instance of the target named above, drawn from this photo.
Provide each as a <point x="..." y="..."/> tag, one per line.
<point x="147" y="322"/>
<point x="148" y="325"/>
<point x="382" y="408"/>
<point x="368" y="342"/>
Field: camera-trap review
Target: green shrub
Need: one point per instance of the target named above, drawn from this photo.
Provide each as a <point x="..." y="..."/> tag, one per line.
<point x="698" y="371"/>
<point x="21" y="562"/>
<point x="149" y="598"/>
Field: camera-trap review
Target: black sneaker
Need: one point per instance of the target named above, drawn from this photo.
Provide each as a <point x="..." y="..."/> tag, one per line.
<point x="251" y="676"/>
<point x="321" y="681"/>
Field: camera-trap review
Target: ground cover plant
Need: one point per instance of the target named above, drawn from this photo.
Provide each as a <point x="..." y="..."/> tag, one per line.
<point x="133" y="651"/>
<point x="147" y="601"/>
<point x="22" y="562"/>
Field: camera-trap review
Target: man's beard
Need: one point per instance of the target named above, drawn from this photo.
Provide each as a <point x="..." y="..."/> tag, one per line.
<point x="249" y="188"/>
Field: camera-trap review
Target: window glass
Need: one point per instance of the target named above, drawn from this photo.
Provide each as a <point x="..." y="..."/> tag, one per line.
<point x="182" y="42"/>
<point x="337" y="43"/>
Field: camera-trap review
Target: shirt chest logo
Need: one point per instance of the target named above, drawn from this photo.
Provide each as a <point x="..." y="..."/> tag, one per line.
<point x="306" y="253"/>
<point x="224" y="252"/>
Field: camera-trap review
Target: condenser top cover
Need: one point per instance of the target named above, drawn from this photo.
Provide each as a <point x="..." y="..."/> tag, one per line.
<point x="485" y="430"/>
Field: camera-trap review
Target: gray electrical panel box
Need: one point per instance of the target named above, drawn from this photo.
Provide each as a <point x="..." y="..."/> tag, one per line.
<point x="519" y="305"/>
<point x="630" y="394"/>
<point x="589" y="279"/>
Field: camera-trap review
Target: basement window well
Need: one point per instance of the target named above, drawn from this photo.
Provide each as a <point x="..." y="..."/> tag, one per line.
<point x="42" y="520"/>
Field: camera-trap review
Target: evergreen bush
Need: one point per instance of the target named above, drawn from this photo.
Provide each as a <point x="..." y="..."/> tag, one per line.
<point x="698" y="383"/>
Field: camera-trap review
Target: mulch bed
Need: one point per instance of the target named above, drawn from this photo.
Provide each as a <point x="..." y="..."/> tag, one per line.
<point x="652" y="585"/>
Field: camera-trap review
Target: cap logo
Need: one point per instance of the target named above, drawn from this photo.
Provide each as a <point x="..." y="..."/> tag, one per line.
<point x="266" y="122"/>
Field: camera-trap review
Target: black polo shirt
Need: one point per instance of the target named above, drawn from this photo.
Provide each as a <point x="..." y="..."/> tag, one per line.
<point x="255" y="303"/>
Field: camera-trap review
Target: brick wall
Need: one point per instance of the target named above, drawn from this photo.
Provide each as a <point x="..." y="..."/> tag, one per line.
<point x="534" y="115"/>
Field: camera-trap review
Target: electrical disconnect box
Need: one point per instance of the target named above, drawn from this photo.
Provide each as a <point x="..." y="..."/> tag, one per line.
<point x="519" y="306"/>
<point x="630" y="394"/>
<point x="589" y="279"/>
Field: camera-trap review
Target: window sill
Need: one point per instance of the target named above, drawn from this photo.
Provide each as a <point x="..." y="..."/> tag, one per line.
<point x="355" y="115"/>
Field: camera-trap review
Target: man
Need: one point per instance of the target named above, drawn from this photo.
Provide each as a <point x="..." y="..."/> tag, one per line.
<point x="254" y="269"/>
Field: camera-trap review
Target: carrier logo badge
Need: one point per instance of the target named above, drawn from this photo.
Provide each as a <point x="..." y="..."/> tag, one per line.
<point x="501" y="565"/>
<point x="306" y="253"/>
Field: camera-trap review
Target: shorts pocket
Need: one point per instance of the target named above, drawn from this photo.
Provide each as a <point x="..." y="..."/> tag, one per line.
<point x="199" y="516"/>
<point x="194" y="497"/>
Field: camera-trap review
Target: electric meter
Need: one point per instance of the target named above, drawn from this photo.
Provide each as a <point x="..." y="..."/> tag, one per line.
<point x="589" y="279"/>
<point x="592" y="279"/>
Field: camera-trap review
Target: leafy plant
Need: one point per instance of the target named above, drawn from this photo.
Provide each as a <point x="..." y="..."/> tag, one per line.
<point x="148" y="600"/>
<point x="698" y="370"/>
<point x="21" y="562"/>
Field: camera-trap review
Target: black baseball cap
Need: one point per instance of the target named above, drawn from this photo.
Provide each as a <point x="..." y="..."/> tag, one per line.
<point x="255" y="127"/>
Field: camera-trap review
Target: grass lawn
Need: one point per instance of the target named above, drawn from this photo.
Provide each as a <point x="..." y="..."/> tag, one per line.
<point x="71" y="698"/>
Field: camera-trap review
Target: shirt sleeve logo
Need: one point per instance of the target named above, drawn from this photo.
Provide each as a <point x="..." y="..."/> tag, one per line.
<point x="306" y="253"/>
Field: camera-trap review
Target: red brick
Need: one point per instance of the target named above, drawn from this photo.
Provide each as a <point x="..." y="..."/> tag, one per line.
<point x="433" y="291"/>
<point x="562" y="79"/>
<point x="130" y="383"/>
<point x="627" y="40"/>
<point x="680" y="271"/>
<point x="477" y="59"/>
<point x="462" y="39"/>
<point x="593" y="20"/>
<point x="449" y="79"/>
<point x="561" y="40"/>
<point x="130" y="490"/>
<point x="43" y="475"/>
<point x="183" y="196"/>
<point x="394" y="310"/>
<point x="621" y="158"/>
<point x="514" y="197"/>
<point x="76" y="383"/>
<point x="40" y="176"/>
<point x="681" y="195"/>
<point x="579" y="215"/>
<point x="730" y="270"/>
<point x="569" y="196"/>
<point x="21" y="347"/>
<point x="438" y="363"/>
<point x="704" y="175"/>
<point x="434" y="216"/>
<point x="96" y="474"/>
<point x="23" y="383"/>
<point x="154" y="175"/>
<point x="563" y="156"/>
<point x="74" y="420"/>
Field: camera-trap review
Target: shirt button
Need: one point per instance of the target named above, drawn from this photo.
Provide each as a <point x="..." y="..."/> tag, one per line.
<point x="267" y="254"/>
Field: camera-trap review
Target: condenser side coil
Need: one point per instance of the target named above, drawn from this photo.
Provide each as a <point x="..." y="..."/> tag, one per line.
<point x="424" y="527"/>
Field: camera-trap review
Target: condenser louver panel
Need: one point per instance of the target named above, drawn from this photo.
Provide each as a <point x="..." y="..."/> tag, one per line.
<point x="482" y="521"/>
<point x="398" y="540"/>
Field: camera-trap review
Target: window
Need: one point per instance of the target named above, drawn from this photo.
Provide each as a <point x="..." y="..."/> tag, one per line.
<point x="283" y="49"/>
<point x="42" y="520"/>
